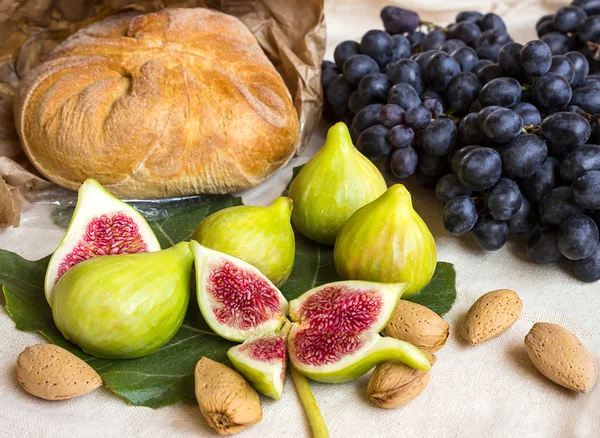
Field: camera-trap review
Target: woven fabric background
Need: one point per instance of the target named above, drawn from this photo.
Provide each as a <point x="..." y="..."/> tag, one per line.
<point x="491" y="390"/>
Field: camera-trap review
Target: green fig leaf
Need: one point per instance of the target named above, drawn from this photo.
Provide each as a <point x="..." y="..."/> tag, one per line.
<point x="167" y="376"/>
<point x="439" y="295"/>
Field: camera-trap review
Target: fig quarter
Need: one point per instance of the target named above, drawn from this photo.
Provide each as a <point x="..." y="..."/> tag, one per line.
<point x="52" y="373"/>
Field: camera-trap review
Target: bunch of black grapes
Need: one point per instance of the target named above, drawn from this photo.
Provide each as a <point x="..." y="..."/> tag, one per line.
<point x="507" y="134"/>
<point x="574" y="27"/>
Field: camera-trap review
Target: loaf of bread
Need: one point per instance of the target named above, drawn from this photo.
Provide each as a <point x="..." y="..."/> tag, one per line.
<point x="171" y="103"/>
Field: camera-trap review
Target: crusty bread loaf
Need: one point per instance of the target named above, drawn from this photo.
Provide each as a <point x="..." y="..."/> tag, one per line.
<point x="176" y="102"/>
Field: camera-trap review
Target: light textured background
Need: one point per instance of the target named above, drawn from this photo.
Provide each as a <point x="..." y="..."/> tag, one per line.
<point x="487" y="391"/>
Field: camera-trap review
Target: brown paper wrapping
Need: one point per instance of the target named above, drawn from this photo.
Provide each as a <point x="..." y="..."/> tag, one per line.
<point x="291" y="32"/>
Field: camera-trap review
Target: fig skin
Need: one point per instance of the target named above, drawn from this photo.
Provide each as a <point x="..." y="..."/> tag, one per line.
<point x="387" y="241"/>
<point x="124" y="306"/>
<point x="333" y="185"/>
<point x="261" y="236"/>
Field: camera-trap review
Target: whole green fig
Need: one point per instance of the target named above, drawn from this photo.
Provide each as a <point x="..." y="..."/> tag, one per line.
<point x="332" y="185"/>
<point x="261" y="236"/>
<point x="388" y="242"/>
<point x="124" y="306"/>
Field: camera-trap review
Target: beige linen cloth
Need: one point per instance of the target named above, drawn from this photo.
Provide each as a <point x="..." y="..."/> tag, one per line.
<point x="491" y="390"/>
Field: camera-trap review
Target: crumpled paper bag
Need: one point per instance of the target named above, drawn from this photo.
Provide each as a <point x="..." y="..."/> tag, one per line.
<point x="291" y="32"/>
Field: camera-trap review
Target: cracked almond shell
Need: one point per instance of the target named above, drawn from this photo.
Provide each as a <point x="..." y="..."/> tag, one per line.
<point x="491" y="315"/>
<point x="52" y="373"/>
<point x="422" y="327"/>
<point x="560" y="356"/>
<point x="227" y="401"/>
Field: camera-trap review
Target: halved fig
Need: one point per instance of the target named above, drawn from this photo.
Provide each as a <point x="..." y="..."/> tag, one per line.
<point x="236" y="300"/>
<point x="262" y="362"/>
<point x="335" y="337"/>
<point x="101" y="225"/>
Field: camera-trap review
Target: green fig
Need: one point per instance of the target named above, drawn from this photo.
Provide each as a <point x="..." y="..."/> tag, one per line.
<point x="333" y="185"/>
<point x="387" y="241"/>
<point x="124" y="306"/>
<point x="261" y="236"/>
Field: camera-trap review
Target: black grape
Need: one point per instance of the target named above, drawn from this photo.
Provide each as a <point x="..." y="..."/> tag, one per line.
<point x="480" y="168"/>
<point x="467" y="58"/>
<point x="524" y="155"/>
<point x="439" y="138"/>
<point x="345" y="50"/>
<point x="577" y="237"/>
<point x="417" y="118"/>
<point x="358" y="66"/>
<point x="503" y="125"/>
<point x="433" y="40"/>
<point x="509" y="58"/>
<point x="330" y="72"/>
<point x="434" y="106"/>
<point x="373" y="143"/>
<point x="536" y="57"/>
<point x="565" y="131"/>
<point x="586" y="190"/>
<point x="368" y="116"/>
<point x="551" y="92"/>
<point x="451" y="46"/>
<point x="460" y="215"/>
<point x="529" y="113"/>
<point x="441" y="68"/>
<point x="465" y="31"/>
<point x="491" y="21"/>
<point x="391" y="115"/>
<point x="589" y="30"/>
<point x="404" y="96"/>
<point x="489" y="43"/>
<point x="484" y="113"/>
<point x="588" y="99"/>
<point x="401" y="136"/>
<point x="457" y="157"/>
<point x="402" y="47"/>
<point x="563" y="66"/>
<point x="504" y="200"/>
<point x="545" y="27"/>
<point x="591" y="7"/>
<point x="463" y="89"/>
<point x="415" y="38"/>
<point x="540" y="184"/>
<point x="559" y="43"/>
<point x="482" y="63"/>
<point x="490" y="234"/>
<point x="469" y="16"/>
<point x="379" y="45"/>
<point x="374" y="87"/>
<point x="588" y="269"/>
<point x="559" y="205"/>
<point x="403" y="162"/>
<point x="356" y="102"/>
<point x="423" y="58"/>
<point x="567" y="19"/>
<point x="590" y="81"/>
<point x="542" y="247"/>
<point x="580" y="161"/>
<point x="581" y="65"/>
<point x="339" y="91"/>
<point x="504" y="92"/>
<point x="449" y="187"/>
<point x="469" y="132"/>
<point x="490" y="72"/>
<point x="409" y="72"/>
<point x="523" y="221"/>
<point x="399" y="20"/>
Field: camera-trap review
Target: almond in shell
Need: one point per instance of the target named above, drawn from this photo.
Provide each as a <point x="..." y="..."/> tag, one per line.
<point x="418" y="325"/>
<point x="491" y="315"/>
<point x="560" y="356"/>
<point x="52" y="373"/>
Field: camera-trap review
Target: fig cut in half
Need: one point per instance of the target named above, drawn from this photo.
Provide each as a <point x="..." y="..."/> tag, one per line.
<point x="335" y="335"/>
<point x="262" y="362"/>
<point x="101" y="225"/>
<point x="236" y="300"/>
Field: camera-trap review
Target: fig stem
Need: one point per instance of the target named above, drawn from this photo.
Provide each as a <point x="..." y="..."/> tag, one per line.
<point x="317" y="423"/>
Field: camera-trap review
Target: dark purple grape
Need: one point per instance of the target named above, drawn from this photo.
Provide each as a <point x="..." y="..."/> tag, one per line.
<point x="373" y="143"/>
<point x="469" y="132"/>
<point x="460" y="215"/>
<point x="432" y="94"/>
<point x="588" y="269"/>
<point x="463" y="89"/>
<point x="391" y="115"/>
<point x="590" y="81"/>
<point x="379" y="45"/>
<point x="504" y="200"/>
<point x="524" y="155"/>
<point x="490" y="234"/>
<point x="491" y="22"/>
<point x="540" y="184"/>
<point x="503" y="125"/>
<point x="374" y="87"/>
<point x="403" y="162"/>
<point x="401" y="136"/>
<point x="545" y="27"/>
<point x="409" y="72"/>
<point x="368" y="116"/>
<point x="449" y="187"/>
<point x="399" y="20"/>
<point x="404" y="96"/>
<point x="466" y="31"/>
<point x="433" y="40"/>
<point x="415" y="38"/>
<point x="434" y="106"/>
<point x="480" y="168"/>
<point x="563" y="66"/>
<point x="482" y="63"/>
<point x="490" y="72"/>
<point x="467" y="59"/>
<point x="559" y="43"/>
<point x="567" y="19"/>
<point x="551" y="92"/>
<point x="536" y="58"/>
<point x="577" y="237"/>
<point x="503" y="92"/>
<point x="356" y="102"/>
<point x="586" y="190"/>
<point x="589" y="30"/>
<point x="542" y="247"/>
<point x="345" y="50"/>
<point x="338" y="92"/>
<point x="473" y="16"/>
<point x="489" y="43"/>
<point x="580" y="161"/>
<point x="591" y="7"/>
<point x="509" y="58"/>
<point x="559" y="205"/>
<point x="402" y="47"/>
<point x="328" y="75"/>
<point x="523" y="221"/>
<point x="484" y="113"/>
<point x="451" y="46"/>
<point x="440" y="69"/>
<point x="456" y="157"/>
<point x="565" y="131"/>
<point x="588" y="99"/>
<point x="417" y="118"/>
<point x="358" y="66"/>
<point x="439" y="138"/>
<point x="423" y="58"/>
<point x="529" y="113"/>
<point x="581" y="65"/>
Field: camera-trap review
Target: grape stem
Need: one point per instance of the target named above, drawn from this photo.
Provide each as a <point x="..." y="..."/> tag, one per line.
<point x="432" y="26"/>
<point x="596" y="48"/>
<point x="450" y="115"/>
<point x="315" y="418"/>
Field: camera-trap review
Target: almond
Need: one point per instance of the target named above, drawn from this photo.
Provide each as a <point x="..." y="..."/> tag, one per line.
<point x="52" y="373"/>
<point x="394" y="384"/>
<point x="561" y="357"/>
<point x="418" y="325"/>
<point x="491" y="315"/>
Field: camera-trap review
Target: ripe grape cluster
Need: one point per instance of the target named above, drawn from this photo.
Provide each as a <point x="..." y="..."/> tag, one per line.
<point x="574" y="27"/>
<point x="507" y="134"/>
